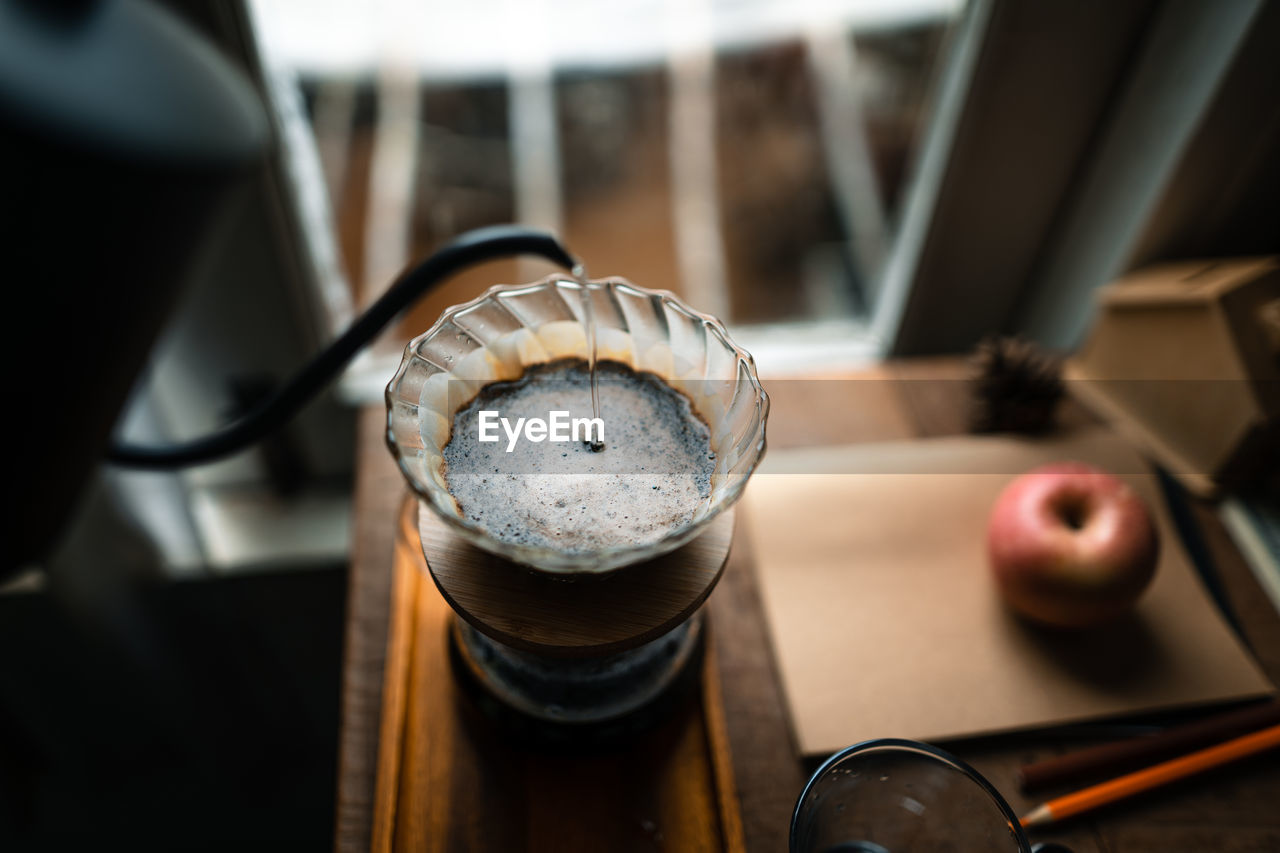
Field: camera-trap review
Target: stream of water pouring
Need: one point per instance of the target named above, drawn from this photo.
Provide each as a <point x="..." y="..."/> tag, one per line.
<point x="580" y="275"/>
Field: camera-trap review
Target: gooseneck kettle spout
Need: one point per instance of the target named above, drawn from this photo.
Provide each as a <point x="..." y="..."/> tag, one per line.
<point x="472" y="247"/>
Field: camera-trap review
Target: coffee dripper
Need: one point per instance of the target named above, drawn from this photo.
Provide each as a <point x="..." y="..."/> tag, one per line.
<point x="573" y="645"/>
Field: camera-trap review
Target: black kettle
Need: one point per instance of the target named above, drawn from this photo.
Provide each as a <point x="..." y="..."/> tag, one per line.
<point x="123" y="135"/>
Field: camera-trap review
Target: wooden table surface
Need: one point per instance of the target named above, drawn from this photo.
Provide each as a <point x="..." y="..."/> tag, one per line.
<point x="1233" y="809"/>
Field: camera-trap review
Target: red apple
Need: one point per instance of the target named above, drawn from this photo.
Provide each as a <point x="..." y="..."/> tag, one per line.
<point x="1071" y="545"/>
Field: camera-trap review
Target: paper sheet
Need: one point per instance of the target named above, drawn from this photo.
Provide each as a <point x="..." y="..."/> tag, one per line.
<point x="886" y="622"/>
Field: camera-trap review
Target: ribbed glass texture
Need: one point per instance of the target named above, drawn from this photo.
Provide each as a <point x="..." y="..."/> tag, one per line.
<point x="496" y="336"/>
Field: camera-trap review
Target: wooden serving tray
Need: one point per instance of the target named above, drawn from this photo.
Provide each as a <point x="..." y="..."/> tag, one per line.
<point x="449" y="779"/>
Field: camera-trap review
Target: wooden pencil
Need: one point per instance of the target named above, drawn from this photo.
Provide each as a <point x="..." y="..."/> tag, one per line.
<point x="1113" y="759"/>
<point x="1137" y="782"/>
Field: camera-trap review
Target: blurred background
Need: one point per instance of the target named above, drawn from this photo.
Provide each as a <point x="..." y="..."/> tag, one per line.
<point x="842" y="181"/>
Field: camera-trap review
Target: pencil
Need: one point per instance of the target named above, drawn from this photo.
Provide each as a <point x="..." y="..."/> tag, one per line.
<point x="1113" y="759"/>
<point x="1137" y="782"/>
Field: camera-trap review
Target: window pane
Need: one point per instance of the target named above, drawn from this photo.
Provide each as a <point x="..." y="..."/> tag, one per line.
<point x="751" y="156"/>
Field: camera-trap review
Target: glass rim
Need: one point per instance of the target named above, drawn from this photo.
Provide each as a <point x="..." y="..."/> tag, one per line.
<point x="892" y="744"/>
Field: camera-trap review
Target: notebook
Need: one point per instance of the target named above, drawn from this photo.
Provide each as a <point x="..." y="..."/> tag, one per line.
<point x="886" y="622"/>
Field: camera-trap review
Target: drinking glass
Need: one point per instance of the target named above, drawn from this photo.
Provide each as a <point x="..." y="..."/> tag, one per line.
<point x="897" y="796"/>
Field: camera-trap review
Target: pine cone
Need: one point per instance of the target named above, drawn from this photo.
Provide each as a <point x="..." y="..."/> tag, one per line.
<point x="1016" y="387"/>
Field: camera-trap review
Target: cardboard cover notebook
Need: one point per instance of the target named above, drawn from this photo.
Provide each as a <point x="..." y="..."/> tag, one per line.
<point x="886" y="622"/>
